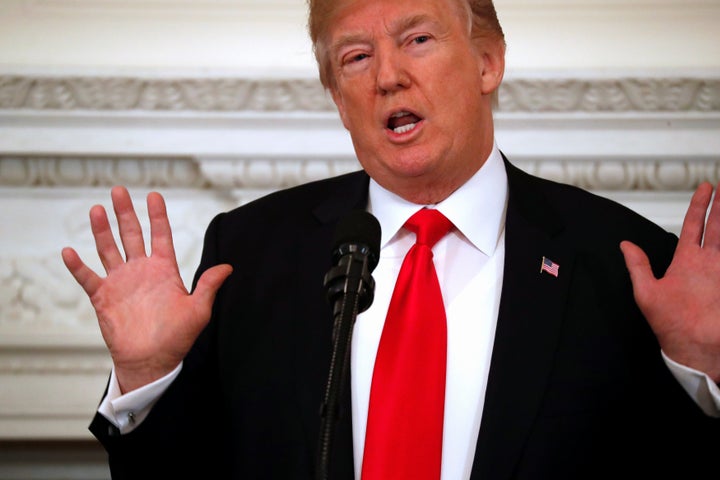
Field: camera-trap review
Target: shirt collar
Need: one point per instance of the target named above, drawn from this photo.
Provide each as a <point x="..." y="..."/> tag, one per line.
<point x="477" y="208"/>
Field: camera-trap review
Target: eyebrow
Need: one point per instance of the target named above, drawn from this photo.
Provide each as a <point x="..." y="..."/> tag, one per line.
<point x="406" y="23"/>
<point x="349" y="39"/>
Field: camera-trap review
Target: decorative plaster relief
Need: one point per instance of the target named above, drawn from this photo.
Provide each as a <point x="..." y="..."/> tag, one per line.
<point x="148" y="94"/>
<point x="267" y="174"/>
<point x="33" y="171"/>
<point x="34" y="290"/>
<point x="306" y="95"/>
<point x="611" y="95"/>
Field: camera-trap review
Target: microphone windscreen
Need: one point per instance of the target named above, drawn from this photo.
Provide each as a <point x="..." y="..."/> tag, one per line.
<point x="362" y="229"/>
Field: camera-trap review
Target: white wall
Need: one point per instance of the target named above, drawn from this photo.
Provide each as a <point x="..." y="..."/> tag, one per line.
<point x="214" y="102"/>
<point x="269" y="37"/>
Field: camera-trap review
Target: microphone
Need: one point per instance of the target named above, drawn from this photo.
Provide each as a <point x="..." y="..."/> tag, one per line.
<point x="350" y="290"/>
<point x="355" y="254"/>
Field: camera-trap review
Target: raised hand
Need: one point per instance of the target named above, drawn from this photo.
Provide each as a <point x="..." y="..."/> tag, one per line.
<point x="147" y="318"/>
<point x="683" y="307"/>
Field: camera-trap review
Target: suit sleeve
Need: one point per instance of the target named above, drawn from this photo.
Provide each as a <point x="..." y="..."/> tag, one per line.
<point x="181" y="436"/>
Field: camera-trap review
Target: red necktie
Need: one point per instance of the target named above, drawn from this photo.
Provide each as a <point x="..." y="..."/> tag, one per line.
<point x="407" y="396"/>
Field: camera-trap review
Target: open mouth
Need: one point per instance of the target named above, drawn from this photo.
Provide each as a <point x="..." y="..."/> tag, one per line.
<point x="402" y="122"/>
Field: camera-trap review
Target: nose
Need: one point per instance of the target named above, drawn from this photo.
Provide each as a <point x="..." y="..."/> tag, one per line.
<point x="391" y="73"/>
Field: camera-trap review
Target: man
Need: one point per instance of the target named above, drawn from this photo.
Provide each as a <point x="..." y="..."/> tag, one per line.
<point x="552" y="369"/>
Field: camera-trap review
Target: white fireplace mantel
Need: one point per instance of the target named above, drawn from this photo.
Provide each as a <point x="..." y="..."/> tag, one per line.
<point x="211" y="143"/>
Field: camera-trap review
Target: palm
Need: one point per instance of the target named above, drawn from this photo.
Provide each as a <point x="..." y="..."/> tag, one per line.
<point x="683" y="307"/>
<point x="147" y="317"/>
<point x="147" y="289"/>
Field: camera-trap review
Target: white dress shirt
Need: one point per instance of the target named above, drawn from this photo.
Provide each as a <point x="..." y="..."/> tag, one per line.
<point x="469" y="265"/>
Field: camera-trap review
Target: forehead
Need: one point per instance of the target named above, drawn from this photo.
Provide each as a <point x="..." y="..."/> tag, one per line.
<point x="354" y="18"/>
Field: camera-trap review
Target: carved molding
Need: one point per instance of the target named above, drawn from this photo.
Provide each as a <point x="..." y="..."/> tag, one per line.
<point x="627" y="175"/>
<point x="43" y="312"/>
<point x="39" y="298"/>
<point x="59" y="171"/>
<point x="151" y="94"/>
<point x="123" y="94"/>
<point x="68" y="360"/>
<point x="169" y="172"/>
<point x="611" y="95"/>
<point x="266" y="174"/>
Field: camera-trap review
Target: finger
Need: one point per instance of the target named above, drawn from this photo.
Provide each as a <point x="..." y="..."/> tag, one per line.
<point x="208" y="285"/>
<point x="712" y="227"/>
<point x="88" y="280"/>
<point x="130" y="229"/>
<point x="641" y="274"/>
<point x="105" y="244"/>
<point x="160" y="232"/>
<point x="693" y="226"/>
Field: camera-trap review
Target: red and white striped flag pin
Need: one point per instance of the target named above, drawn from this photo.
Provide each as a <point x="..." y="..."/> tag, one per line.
<point x="549" y="266"/>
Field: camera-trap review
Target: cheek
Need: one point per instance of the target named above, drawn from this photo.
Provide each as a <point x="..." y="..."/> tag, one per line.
<point x="341" y="113"/>
<point x="358" y="114"/>
<point x="348" y="110"/>
<point x="350" y="101"/>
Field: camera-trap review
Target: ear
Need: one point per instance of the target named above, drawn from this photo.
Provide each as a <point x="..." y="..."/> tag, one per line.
<point x="492" y="63"/>
<point x="338" y="100"/>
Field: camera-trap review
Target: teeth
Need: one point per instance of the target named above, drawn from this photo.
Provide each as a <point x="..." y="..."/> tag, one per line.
<point x="399" y="114"/>
<point x="404" y="128"/>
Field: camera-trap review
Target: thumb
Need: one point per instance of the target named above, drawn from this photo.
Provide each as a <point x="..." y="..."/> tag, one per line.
<point x="641" y="274"/>
<point x="209" y="283"/>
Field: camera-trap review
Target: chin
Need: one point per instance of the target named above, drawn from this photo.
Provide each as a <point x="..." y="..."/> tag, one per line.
<point x="412" y="163"/>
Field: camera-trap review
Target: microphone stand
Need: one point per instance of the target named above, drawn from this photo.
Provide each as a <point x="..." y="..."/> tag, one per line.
<point x="350" y="289"/>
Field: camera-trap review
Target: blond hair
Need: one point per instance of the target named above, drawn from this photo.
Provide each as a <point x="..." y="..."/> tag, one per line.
<point x="483" y="22"/>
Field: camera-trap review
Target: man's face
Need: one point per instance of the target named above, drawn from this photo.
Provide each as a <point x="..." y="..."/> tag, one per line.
<point x="414" y="92"/>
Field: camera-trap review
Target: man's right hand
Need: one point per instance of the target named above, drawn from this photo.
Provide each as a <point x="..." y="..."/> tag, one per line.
<point x="147" y="317"/>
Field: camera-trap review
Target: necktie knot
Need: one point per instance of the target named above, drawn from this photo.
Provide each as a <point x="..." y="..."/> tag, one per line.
<point x="429" y="226"/>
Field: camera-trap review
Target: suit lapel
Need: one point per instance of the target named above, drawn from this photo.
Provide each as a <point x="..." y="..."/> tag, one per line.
<point x="313" y="334"/>
<point x="529" y="321"/>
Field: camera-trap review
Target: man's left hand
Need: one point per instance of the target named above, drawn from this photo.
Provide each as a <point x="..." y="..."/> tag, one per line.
<point x="683" y="307"/>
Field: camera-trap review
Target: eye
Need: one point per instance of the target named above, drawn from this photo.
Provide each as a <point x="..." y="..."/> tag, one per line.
<point x="352" y="58"/>
<point x="421" y="39"/>
<point x="357" y="58"/>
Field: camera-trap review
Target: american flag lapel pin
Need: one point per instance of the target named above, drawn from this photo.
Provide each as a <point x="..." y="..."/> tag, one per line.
<point x="549" y="266"/>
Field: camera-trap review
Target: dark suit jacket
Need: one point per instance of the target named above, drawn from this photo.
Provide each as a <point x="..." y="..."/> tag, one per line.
<point x="577" y="387"/>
